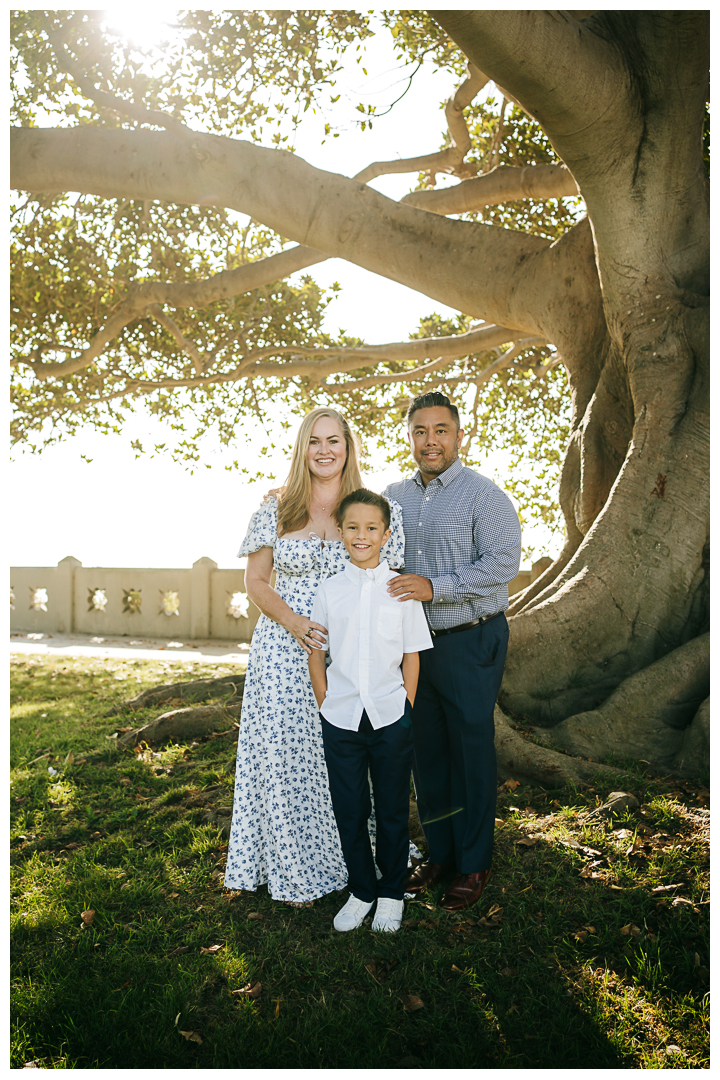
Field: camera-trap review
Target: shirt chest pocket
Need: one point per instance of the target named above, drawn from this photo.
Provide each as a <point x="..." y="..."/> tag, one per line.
<point x="389" y="622"/>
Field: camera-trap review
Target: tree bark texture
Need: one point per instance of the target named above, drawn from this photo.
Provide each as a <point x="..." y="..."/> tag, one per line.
<point x="605" y="641"/>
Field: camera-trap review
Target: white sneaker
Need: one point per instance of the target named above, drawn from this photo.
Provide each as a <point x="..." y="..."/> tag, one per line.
<point x="388" y="916"/>
<point x="352" y="914"/>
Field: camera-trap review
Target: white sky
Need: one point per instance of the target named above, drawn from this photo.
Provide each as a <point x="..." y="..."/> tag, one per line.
<point x="119" y="511"/>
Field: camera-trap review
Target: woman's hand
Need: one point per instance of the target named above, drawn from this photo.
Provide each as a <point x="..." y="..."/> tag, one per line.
<point x="309" y="635"/>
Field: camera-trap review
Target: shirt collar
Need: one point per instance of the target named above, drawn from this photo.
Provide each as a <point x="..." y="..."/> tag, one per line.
<point x="445" y="478"/>
<point x="380" y="573"/>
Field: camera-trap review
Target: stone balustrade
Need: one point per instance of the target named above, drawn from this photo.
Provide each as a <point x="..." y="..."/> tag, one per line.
<point x="200" y="603"/>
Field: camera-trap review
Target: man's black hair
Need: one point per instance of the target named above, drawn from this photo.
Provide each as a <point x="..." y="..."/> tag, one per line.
<point x="431" y="401"/>
<point x="367" y="498"/>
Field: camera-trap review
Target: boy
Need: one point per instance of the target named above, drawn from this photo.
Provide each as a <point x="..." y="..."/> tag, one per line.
<point x="365" y="697"/>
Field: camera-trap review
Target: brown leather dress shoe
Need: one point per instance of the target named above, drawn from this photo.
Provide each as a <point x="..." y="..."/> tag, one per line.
<point x="425" y="875"/>
<point x="465" y="890"/>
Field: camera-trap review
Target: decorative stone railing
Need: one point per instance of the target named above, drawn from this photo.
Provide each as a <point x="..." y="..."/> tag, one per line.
<point x="200" y="603"/>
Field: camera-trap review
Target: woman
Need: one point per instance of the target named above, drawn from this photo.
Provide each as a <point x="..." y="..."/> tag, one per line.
<point x="283" y="828"/>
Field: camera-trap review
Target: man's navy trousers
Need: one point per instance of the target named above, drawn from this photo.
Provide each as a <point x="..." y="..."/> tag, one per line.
<point x="455" y="768"/>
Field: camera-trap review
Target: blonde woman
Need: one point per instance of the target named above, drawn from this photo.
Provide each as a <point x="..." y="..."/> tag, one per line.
<point x="283" y="828"/>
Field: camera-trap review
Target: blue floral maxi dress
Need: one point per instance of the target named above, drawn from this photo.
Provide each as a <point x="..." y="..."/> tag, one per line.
<point x="283" y="828"/>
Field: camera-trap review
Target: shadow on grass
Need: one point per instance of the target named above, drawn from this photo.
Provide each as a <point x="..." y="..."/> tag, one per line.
<point x="550" y="970"/>
<point x="513" y="993"/>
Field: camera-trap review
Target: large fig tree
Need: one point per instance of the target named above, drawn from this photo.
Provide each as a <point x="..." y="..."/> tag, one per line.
<point x="609" y="647"/>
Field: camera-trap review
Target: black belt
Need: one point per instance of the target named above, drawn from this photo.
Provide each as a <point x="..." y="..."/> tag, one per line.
<point x="465" y="625"/>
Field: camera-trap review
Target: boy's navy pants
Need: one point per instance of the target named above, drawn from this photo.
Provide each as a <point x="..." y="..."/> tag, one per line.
<point x="387" y="753"/>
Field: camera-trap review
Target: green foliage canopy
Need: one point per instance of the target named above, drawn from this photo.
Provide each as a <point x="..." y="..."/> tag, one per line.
<point x="248" y="74"/>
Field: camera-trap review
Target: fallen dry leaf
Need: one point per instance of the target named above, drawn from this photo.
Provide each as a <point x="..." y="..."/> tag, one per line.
<point x="631" y="930"/>
<point x="528" y="841"/>
<point x="511" y="785"/>
<point x="173" y="895"/>
<point x="180" y="949"/>
<point x="251" y="990"/>
<point x="211" y="950"/>
<point x="580" y="935"/>
<point x="87" y="917"/>
<point x="191" y="1036"/>
<point x="254" y="915"/>
<point x="508" y="971"/>
<point x="411" y="1003"/>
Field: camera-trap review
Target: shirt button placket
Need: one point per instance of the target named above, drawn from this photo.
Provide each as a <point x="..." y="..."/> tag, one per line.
<point x="364" y="657"/>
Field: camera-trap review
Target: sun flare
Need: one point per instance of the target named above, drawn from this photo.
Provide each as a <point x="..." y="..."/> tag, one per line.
<point x="143" y="29"/>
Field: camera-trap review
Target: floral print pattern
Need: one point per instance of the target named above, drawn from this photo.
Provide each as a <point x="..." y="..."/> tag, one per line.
<point x="283" y="829"/>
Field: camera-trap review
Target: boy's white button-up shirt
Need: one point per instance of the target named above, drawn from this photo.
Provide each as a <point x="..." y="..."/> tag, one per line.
<point x="368" y="633"/>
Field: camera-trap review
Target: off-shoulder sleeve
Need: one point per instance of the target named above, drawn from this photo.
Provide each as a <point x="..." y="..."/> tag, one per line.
<point x="394" y="550"/>
<point x="262" y="530"/>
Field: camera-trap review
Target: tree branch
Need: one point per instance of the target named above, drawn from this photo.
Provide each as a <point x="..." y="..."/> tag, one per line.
<point x="347" y="360"/>
<point x="450" y="159"/>
<point x="319" y="362"/>
<point x="564" y="75"/>
<point x="478" y="269"/>
<point x="221" y="286"/>
<point x="110" y="101"/>
<point x="156" y="312"/>
<point x="504" y="183"/>
<point x="426" y="369"/>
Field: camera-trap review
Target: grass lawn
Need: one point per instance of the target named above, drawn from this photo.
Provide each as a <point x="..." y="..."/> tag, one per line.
<point x="589" y="949"/>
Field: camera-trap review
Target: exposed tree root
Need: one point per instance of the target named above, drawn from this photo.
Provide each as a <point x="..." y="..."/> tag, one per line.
<point x="692" y="759"/>
<point x="183" y="724"/>
<point x="520" y="758"/>
<point x="522" y="599"/>
<point x="197" y="690"/>
<point x="646" y="717"/>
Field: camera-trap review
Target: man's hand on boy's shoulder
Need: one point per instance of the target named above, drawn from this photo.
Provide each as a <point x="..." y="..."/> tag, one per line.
<point x="410" y="587"/>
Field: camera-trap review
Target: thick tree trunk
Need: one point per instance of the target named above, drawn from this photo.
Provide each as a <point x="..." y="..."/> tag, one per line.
<point x="635" y="483"/>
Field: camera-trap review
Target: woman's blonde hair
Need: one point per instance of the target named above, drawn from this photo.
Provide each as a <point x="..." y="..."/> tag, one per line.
<point x="294" y="499"/>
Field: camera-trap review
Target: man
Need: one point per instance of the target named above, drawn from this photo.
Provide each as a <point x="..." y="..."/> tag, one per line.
<point x="462" y="547"/>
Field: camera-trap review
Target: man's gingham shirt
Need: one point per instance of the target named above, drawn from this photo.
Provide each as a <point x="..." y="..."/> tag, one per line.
<point x="461" y="532"/>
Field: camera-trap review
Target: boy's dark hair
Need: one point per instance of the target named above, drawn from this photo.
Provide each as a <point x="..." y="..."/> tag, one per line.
<point x="366" y="498"/>
<point x="430" y="401"/>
